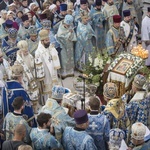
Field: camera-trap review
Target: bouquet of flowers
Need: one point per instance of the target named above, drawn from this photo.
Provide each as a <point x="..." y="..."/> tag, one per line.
<point x="95" y="69"/>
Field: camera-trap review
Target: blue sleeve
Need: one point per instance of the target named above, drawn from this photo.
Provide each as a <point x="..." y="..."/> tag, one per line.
<point x="90" y="144"/>
<point x="132" y="110"/>
<point x="110" y="43"/>
<point x="53" y="143"/>
<point x="5" y="102"/>
<point x="106" y="129"/>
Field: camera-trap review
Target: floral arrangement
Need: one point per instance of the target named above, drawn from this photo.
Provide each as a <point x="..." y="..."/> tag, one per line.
<point x="145" y="71"/>
<point x="137" y="63"/>
<point x="95" y="69"/>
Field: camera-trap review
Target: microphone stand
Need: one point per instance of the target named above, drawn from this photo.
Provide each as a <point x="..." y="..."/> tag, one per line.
<point x="83" y="99"/>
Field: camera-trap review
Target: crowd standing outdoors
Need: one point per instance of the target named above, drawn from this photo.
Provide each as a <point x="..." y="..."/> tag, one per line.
<point x="42" y="41"/>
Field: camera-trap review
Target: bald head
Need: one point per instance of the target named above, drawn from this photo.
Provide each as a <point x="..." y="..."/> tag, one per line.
<point x="25" y="147"/>
<point x="20" y="129"/>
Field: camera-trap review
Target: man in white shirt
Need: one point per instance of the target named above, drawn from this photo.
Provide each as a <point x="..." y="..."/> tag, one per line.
<point x="47" y="63"/>
<point x="130" y="30"/>
<point x="145" y="32"/>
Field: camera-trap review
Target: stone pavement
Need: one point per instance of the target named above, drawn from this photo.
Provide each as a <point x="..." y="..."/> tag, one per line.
<point x="69" y="81"/>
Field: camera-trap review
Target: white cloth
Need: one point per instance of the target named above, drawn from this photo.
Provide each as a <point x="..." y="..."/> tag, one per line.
<point x="133" y="42"/>
<point x="51" y="7"/>
<point x="123" y="145"/>
<point x="138" y="96"/>
<point x="145" y="31"/>
<point x="50" y="62"/>
<point x="29" y="81"/>
<point x="146" y="28"/>
<point x="118" y="77"/>
<point x="5" y="70"/>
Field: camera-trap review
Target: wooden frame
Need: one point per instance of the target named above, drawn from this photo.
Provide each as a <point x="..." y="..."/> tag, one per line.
<point x="123" y="66"/>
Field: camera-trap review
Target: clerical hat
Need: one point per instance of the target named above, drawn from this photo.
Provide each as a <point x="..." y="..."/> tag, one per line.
<point x="110" y="90"/>
<point x="63" y="7"/>
<point x="17" y="70"/>
<point x="46" y="24"/>
<point x="51" y="7"/>
<point x="80" y="116"/>
<point x="83" y="2"/>
<point x="58" y="92"/>
<point x="42" y="16"/>
<point x="138" y="131"/>
<point x="126" y="13"/>
<point x="117" y="18"/>
<point x="12" y="32"/>
<point x="116" y="136"/>
<point x="9" y="23"/>
<point x="43" y="34"/>
<point x="24" y="18"/>
<point x="68" y="19"/>
<point x="32" y="30"/>
<point x="98" y="3"/>
<point x="139" y="81"/>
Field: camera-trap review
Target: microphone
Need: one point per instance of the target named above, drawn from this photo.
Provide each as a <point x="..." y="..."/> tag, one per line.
<point x="83" y="77"/>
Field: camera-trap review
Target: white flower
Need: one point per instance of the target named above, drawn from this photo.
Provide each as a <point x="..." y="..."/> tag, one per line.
<point x="101" y="74"/>
<point x="97" y="68"/>
<point x="90" y="59"/>
<point x="108" y="61"/>
<point x="96" y="62"/>
<point x="97" y="83"/>
<point x="90" y="75"/>
<point x="101" y="63"/>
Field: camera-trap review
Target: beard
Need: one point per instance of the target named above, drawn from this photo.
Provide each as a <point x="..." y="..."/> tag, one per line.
<point x="130" y="3"/>
<point x="48" y="127"/>
<point x="22" y="111"/>
<point x="98" y="9"/>
<point x="128" y="20"/>
<point x="111" y="3"/>
<point x="46" y="45"/>
<point x="28" y="61"/>
<point x="1" y="62"/>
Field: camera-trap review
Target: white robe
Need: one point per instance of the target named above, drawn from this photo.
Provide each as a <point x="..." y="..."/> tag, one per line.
<point x="29" y="80"/>
<point x="48" y="59"/>
<point x="145" y="32"/>
<point x="5" y="70"/>
<point x="133" y="42"/>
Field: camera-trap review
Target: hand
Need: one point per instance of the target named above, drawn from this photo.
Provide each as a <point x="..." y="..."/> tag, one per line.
<point x="52" y="131"/>
<point x="113" y="56"/>
<point x="71" y="30"/>
<point x="129" y="148"/>
<point x="100" y="26"/>
<point x="1" y="135"/>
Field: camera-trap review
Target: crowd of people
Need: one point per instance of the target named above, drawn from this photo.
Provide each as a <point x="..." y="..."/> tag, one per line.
<point x="42" y="41"/>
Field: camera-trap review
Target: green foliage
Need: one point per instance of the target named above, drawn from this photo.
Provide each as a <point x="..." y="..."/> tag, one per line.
<point x="145" y="71"/>
<point x="94" y="69"/>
